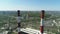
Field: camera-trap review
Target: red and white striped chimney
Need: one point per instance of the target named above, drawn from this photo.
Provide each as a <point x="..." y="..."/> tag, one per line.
<point x="18" y="21"/>
<point x="42" y="22"/>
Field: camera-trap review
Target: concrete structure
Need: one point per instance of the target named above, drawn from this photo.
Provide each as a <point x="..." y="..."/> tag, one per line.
<point x="31" y="31"/>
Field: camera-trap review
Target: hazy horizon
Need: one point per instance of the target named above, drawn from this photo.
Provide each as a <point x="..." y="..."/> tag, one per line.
<point x="30" y="5"/>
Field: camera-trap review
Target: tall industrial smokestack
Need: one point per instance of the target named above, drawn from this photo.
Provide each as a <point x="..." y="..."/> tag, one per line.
<point x="42" y="21"/>
<point x="18" y="21"/>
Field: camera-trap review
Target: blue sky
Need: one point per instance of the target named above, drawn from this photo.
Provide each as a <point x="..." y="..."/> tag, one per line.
<point x="30" y="5"/>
